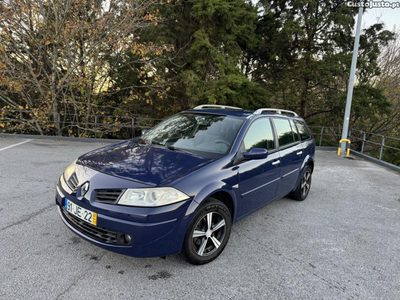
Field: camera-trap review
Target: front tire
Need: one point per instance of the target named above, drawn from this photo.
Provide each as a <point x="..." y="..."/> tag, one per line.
<point x="208" y="233"/>
<point x="304" y="186"/>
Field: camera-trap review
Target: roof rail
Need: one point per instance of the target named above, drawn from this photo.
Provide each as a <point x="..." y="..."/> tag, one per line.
<point x="275" y="110"/>
<point x="205" y="106"/>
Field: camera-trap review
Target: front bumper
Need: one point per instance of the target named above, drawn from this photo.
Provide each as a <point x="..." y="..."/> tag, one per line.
<point x="155" y="232"/>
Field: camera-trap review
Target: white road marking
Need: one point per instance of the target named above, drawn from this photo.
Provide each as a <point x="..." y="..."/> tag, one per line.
<point x="5" y="148"/>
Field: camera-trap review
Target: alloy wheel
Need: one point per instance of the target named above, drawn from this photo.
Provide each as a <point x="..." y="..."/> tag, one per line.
<point x="306" y="183"/>
<point x="209" y="233"/>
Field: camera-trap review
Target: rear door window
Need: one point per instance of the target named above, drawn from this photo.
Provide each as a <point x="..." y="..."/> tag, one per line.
<point x="284" y="132"/>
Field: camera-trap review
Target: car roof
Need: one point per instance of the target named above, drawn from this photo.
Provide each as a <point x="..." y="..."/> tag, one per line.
<point x="238" y="113"/>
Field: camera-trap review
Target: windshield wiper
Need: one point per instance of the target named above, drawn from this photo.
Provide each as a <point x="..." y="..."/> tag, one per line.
<point x="170" y="147"/>
<point x="149" y="142"/>
<point x="142" y="141"/>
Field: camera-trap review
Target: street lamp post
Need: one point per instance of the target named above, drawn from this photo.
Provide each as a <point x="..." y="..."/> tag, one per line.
<point x="351" y="82"/>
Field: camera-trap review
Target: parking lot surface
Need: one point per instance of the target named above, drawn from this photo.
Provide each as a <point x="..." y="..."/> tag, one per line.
<point x="342" y="242"/>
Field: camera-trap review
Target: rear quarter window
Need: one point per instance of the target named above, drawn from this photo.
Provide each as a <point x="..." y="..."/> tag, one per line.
<point x="303" y="131"/>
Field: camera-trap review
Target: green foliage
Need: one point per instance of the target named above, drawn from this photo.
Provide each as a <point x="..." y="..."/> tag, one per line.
<point x="392" y="155"/>
<point x="209" y="39"/>
<point x="304" y="58"/>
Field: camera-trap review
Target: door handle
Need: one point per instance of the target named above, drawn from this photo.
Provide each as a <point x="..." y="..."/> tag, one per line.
<point x="299" y="153"/>
<point x="277" y="162"/>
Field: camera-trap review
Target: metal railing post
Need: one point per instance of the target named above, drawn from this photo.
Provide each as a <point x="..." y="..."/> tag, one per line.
<point x="95" y="127"/>
<point x="59" y="123"/>
<point x="133" y="127"/>
<point x="349" y="137"/>
<point x="20" y="121"/>
<point x="363" y="142"/>
<point x="320" y="136"/>
<point x="382" y="145"/>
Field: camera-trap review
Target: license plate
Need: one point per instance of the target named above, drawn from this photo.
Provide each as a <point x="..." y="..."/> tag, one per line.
<point x="80" y="212"/>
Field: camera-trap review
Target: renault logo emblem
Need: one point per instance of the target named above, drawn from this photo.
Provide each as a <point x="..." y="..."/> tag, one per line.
<point x="84" y="188"/>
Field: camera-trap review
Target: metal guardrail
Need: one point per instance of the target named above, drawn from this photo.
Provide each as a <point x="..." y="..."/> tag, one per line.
<point x="367" y="143"/>
<point x="92" y="125"/>
<point x="123" y="127"/>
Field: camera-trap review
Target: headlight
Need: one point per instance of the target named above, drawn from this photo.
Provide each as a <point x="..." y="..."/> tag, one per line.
<point x="70" y="170"/>
<point x="151" y="197"/>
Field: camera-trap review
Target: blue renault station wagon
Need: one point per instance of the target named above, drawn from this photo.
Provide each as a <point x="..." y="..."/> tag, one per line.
<point x="181" y="186"/>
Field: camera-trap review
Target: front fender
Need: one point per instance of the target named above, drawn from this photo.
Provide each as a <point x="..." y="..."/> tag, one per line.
<point x="196" y="204"/>
<point x="216" y="187"/>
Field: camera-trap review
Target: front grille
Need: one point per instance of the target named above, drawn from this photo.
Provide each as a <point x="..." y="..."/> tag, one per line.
<point x="107" y="196"/>
<point x="73" y="182"/>
<point x="95" y="232"/>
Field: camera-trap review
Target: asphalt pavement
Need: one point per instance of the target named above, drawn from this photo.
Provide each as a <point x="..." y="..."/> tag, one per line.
<point x="342" y="242"/>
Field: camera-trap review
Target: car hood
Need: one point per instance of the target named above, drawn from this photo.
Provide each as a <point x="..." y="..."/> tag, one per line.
<point x="152" y="165"/>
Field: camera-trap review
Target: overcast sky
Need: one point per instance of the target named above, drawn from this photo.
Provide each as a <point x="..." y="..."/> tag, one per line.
<point x="389" y="16"/>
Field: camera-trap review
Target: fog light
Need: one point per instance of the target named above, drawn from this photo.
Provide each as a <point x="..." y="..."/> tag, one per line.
<point x="126" y="238"/>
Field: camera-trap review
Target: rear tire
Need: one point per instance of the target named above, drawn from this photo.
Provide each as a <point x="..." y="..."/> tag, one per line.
<point x="304" y="186"/>
<point x="208" y="233"/>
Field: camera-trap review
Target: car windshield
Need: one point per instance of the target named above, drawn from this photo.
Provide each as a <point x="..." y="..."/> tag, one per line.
<point x="205" y="135"/>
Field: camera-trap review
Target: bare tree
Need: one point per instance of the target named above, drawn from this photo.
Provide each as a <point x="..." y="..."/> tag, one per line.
<point x="58" y="55"/>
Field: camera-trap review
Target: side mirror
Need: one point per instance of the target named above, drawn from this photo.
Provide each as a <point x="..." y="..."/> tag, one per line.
<point x="144" y="131"/>
<point x="256" y="153"/>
